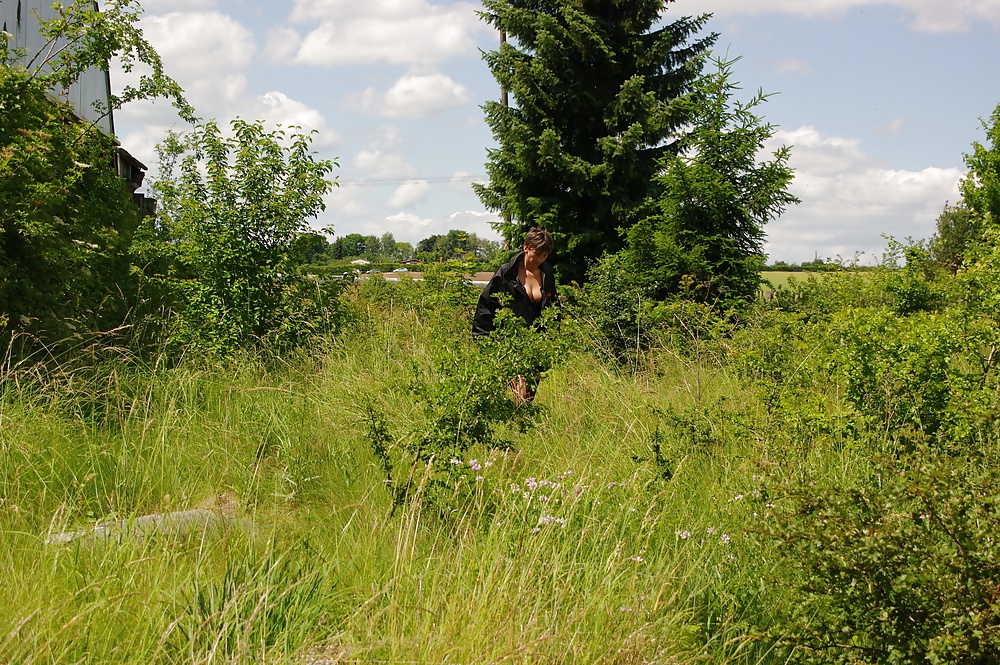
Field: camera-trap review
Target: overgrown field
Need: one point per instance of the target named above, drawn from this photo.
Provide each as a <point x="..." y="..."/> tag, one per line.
<point x="811" y="481"/>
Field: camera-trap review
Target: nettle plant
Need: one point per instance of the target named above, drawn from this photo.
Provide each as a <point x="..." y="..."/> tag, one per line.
<point x="467" y="402"/>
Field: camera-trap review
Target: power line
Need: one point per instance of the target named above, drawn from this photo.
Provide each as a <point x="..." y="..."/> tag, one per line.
<point x="376" y="182"/>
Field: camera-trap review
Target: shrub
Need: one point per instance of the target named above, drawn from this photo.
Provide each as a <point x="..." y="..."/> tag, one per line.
<point x="467" y="402"/>
<point x="900" y="569"/>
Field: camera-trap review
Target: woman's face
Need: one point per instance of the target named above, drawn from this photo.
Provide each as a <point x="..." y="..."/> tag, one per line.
<point x="534" y="257"/>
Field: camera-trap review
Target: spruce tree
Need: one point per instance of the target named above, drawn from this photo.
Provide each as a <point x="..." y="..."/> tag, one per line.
<point x="593" y="87"/>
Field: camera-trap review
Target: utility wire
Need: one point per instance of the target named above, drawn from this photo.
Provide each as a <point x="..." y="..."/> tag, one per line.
<point x="376" y="182"/>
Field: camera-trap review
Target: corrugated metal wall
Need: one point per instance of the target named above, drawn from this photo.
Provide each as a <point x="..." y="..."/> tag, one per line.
<point x="20" y="19"/>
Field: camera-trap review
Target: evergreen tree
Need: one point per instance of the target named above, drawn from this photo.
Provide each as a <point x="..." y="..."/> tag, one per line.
<point x="594" y="87"/>
<point x="717" y="195"/>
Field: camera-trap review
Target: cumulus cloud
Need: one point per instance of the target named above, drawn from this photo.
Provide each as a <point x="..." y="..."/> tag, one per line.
<point x="409" y="193"/>
<point x="277" y="108"/>
<point x="281" y="44"/>
<point x="408" y="227"/>
<point x="196" y="44"/>
<point x="849" y="202"/>
<point x="160" y="6"/>
<point x="383" y="157"/>
<point x="207" y="53"/>
<point x="345" y="201"/>
<point x="926" y="15"/>
<point x="475" y="221"/>
<point x="384" y="31"/>
<point x="461" y="181"/>
<point x="412" y="96"/>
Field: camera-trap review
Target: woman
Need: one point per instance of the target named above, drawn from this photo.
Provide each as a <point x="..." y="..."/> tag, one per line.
<point x="527" y="279"/>
<point x="529" y="282"/>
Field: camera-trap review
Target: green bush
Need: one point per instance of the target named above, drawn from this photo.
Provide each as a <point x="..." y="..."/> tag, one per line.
<point x="221" y="250"/>
<point x="900" y="569"/>
<point x="467" y="401"/>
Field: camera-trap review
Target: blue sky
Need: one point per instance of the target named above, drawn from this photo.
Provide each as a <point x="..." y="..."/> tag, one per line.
<point x="879" y="100"/>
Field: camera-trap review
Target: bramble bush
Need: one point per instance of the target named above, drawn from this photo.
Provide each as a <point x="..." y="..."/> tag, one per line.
<point x="467" y="402"/>
<point x="902" y="568"/>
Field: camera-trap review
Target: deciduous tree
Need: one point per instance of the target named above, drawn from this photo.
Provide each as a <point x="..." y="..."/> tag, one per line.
<point x="231" y="209"/>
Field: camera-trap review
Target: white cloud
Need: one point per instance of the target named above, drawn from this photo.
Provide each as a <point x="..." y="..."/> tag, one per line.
<point x="461" y="181"/>
<point x="281" y="44"/>
<point x="198" y="44"/>
<point x="475" y="221"/>
<point x="279" y="109"/>
<point x="207" y="53"/>
<point x="927" y="15"/>
<point x="791" y="66"/>
<point x="408" y="227"/>
<point x="383" y="157"/>
<point x="894" y="126"/>
<point x="345" y="201"/>
<point x="849" y="202"/>
<point x="412" y="96"/>
<point x="385" y="31"/>
<point x="160" y="6"/>
<point x="409" y="193"/>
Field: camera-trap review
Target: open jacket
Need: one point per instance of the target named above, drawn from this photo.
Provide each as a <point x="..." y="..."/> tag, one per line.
<point x="505" y="281"/>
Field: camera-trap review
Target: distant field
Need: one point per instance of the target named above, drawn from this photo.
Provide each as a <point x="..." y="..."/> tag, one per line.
<point x="780" y="277"/>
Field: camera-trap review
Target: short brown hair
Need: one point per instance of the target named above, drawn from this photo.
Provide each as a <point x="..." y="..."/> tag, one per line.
<point x="539" y="240"/>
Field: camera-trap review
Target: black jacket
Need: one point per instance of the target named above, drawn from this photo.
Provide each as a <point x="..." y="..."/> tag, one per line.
<point x="505" y="281"/>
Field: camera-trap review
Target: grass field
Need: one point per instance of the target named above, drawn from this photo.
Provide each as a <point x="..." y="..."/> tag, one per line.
<point x="626" y="525"/>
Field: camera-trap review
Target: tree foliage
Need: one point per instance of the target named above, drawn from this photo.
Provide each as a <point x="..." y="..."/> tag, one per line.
<point x="456" y="245"/>
<point x="706" y="240"/>
<point x="223" y="245"/>
<point x="595" y="85"/>
<point x="66" y="219"/>
<point x="981" y="186"/>
<point x="716" y="197"/>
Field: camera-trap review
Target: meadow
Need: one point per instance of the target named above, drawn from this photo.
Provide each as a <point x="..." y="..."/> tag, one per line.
<point x="722" y="494"/>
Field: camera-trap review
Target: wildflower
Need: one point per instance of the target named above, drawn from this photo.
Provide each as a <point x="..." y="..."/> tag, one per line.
<point x="637" y="559"/>
<point x="531" y="484"/>
<point x="456" y="462"/>
<point x="543" y="498"/>
<point x="683" y="535"/>
<point x="551" y="519"/>
<point x="479" y="477"/>
<point x="515" y="488"/>
<point x="724" y="538"/>
<point x="711" y="530"/>
<point x="475" y="465"/>
<point x="738" y="497"/>
<point x="488" y="465"/>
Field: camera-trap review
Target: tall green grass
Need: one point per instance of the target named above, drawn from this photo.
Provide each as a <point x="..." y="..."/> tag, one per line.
<point x="573" y="548"/>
